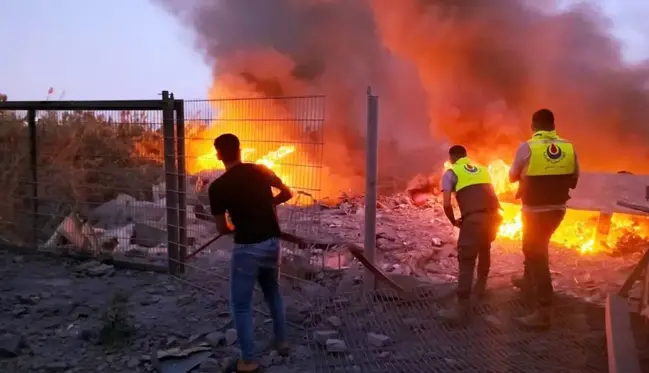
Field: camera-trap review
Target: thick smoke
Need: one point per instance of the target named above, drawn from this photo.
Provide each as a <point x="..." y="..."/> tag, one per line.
<point x="446" y="71"/>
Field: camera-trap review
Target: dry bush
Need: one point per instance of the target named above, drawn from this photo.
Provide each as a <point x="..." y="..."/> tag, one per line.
<point x="83" y="159"/>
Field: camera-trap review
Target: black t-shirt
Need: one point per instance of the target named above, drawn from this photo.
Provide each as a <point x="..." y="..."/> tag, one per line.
<point x="244" y="191"/>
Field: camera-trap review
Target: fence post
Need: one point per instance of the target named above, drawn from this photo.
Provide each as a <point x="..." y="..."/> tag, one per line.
<point x="371" y="175"/>
<point x="33" y="160"/>
<point x="182" y="183"/>
<point x="171" y="182"/>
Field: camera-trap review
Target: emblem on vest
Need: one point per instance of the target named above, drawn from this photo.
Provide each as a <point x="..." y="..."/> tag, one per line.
<point x="554" y="154"/>
<point x="470" y="168"/>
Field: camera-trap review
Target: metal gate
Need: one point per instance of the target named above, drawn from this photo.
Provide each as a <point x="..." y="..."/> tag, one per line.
<point x="77" y="176"/>
<point x="286" y="135"/>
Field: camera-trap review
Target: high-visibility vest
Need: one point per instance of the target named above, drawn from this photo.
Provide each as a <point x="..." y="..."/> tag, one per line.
<point x="469" y="173"/>
<point x="549" y="174"/>
<point x="474" y="191"/>
<point x="550" y="155"/>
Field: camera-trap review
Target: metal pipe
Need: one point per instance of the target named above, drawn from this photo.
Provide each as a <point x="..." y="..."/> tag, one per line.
<point x="171" y="182"/>
<point x="371" y="175"/>
<point x="33" y="160"/>
<point x="182" y="182"/>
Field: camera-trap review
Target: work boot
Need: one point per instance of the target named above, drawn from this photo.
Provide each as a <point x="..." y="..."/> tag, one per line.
<point x="480" y="288"/>
<point x="458" y="313"/>
<point x="540" y="319"/>
<point x="524" y="284"/>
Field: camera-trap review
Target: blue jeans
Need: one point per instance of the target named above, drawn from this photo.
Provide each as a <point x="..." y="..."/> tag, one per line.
<point x="251" y="263"/>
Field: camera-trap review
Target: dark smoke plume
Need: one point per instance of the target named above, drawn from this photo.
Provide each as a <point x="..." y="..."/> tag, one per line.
<point x="447" y="71"/>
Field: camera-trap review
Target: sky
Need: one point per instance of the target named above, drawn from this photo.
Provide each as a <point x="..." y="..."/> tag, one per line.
<point x="132" y="49"/>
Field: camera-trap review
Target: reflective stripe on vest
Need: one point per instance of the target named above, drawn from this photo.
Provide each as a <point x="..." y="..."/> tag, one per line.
<point x="550" y="157"/>
<point x="469" y="173"/>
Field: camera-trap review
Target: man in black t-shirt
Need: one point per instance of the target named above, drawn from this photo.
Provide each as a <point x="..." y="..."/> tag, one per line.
<point x="244" y="191"/>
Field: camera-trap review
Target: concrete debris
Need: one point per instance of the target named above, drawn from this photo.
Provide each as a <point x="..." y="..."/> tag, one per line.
<point x="149" y="234"/>
<point x="10" y="345"/>
<point x="230" y="336"/>
<point x="334" y="321"/>
<point x="378" y="340"/>
<point x="335" y="345"/>
<point x="322" y="336"/>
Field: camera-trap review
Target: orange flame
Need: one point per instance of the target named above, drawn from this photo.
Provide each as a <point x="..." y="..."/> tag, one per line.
<point x="578" y="229"/>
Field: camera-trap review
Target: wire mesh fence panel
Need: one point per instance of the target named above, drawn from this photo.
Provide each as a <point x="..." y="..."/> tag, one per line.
<point x="380" y="332"/>
<point x="95" y="172"/>
<point x="284" y="134"/>
<point x="17" y="204"/>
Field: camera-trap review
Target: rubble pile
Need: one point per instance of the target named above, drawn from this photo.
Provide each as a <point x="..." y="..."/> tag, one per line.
<point x="133" y="227"/>
<point x="413" y="238"/>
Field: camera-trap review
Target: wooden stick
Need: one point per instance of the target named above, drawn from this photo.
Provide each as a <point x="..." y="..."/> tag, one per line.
<point x="355" y="250"/>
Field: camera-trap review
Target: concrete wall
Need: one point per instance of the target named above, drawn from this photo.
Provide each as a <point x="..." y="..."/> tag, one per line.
<point x="601" y="191"/>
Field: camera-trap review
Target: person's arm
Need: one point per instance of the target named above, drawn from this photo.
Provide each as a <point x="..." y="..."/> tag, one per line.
<point x="274" y="181"/>
<point x="218" y="209"/>
<point x="521" y="158"/>
<point x="575" y="176"/>
<point x="449" y="181"/>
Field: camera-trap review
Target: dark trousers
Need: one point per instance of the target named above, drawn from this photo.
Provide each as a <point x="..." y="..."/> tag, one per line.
<point x="538" y="228"/>
<point x="477" y="232"/>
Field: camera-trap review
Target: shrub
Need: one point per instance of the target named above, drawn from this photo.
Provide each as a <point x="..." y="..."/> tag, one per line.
<point x="83" y="159"/>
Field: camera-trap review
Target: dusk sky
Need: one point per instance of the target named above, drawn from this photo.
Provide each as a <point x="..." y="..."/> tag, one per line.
<point x="131" y="49"/>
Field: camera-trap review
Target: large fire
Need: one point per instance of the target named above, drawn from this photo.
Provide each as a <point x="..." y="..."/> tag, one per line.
<point x="579" y="228"/>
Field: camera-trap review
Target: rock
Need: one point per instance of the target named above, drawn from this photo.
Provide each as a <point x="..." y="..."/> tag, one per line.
<point x="133" y="362"/>
<point x="58" y="366"/>
<point x="321" y="336"/>
<point x="149" y="234"/>
<point x="230" y="336"/>
<point x="215" y="339"/>
<point x="101" y="270"/>
<point x="378" y="340"/>
<point x="335" y="345"/>
<point x="209" y="365"/>
<point x="125" y="209"/>
<point x="301" y="353"/>
<point x="437" y="242"/>
<point x="335" y="321"/>
<point x="10" y="345"/>
<point x="85" y="266"/>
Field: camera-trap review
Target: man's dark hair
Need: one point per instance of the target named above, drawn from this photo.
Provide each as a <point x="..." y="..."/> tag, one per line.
<point x="457" y="151"/>
<point x="227" y="145"/>
<point x="543" y="120"/>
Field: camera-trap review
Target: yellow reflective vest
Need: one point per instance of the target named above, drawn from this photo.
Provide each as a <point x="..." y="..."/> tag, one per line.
<point x="469" y="173"/>
<point x="549" y="174"/>
<point x="473" y="191"/>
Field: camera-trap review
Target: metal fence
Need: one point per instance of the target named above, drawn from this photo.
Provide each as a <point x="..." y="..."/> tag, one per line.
<point x="286" y="135"/>
<point x="77" y="176"/>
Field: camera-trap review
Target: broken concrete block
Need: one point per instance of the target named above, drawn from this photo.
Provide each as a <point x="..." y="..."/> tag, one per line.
<point x="334" y="321"/>
<point x="321" y="336"/>
<point x="335" y="345"/>
<point x="101" y="270"/>
<point x="112" y="213"/>
<point x="378" y="340"/>
<point x="10" y="345"/>
<point x="230" y="336"/>
<point x="215" y="339"/>
<point x="71" y="230"/>
<point x="149" y="234"/>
